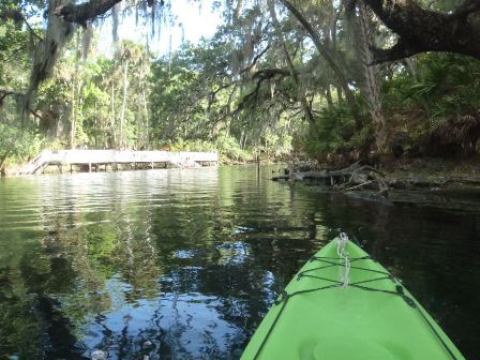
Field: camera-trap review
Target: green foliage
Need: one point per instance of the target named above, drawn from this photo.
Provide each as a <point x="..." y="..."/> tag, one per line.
<point x="432" y="107"/>
<point x="445" y="84"/>
<point x="195" y="100"/>
<point x="335" y="127"/>
<point x="18" y="143"/>
<point x="230" y="148"/>
<point x="249" y="89"/>
<point x="191" y="145"/>
<point x="14" y="55"/>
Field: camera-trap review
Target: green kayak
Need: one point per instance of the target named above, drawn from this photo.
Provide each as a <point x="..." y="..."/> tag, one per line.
<point x="344" y="305"/>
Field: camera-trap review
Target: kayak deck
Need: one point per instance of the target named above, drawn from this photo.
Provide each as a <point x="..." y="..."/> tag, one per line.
<point x="373" y="317"/>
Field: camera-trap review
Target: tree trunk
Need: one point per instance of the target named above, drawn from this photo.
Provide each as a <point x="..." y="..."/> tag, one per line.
<point x="113" y="117"/>
<point x="73" y="123"/>
<point x="4" y="157"/>
<point x="339" y="94"/>
<point x="75" y="100"/>
<point x="328" y="96"/>
<point x="124" y="104"/>
<point x="147" y="121"/>
<point x="371" y="83"/>
<point x="242" y="133"/>
<point x="411" y="65"/>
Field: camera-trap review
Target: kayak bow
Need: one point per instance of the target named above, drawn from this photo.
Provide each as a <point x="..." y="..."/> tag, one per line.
<point x="321" y="315"/>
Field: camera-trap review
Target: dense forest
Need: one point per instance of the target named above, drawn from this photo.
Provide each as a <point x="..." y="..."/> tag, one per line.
<point x="338" y="81"/>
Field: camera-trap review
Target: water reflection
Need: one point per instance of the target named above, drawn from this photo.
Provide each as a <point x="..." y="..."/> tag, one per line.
<point x="183" y="264"/>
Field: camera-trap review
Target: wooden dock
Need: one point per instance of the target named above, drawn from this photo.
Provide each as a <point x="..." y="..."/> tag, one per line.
<point x="93" y="159"/>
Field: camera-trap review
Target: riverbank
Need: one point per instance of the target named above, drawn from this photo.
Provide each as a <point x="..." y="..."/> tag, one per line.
<point x="406" y="174"/>
<point x="427" y="174"/>
<point x="433" y="173"/>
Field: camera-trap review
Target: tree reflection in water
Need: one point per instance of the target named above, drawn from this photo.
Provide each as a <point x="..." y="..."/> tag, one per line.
<point x="183" y="264"/>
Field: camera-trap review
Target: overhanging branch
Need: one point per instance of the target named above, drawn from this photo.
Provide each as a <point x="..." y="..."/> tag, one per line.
<point x="422" y="30"/>
<point x="397" y="52"/>
<point x="84" y="12"/>
<point x="468" y="7"/>
<point x="265" y="74"/>
<point x="8" y="92"/>
<point x="255" y="60"/>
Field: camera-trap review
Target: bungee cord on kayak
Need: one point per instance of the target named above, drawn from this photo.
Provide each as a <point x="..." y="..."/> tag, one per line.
<point x="343" y="254"/>
<point x="344" y="262"/>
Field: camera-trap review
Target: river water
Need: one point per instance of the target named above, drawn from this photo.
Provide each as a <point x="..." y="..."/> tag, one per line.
<point x="183" y="264"/>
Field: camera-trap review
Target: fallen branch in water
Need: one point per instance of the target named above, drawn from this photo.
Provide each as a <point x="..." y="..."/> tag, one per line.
<point x="353" y="177"/>
<point x="359" y="186"/>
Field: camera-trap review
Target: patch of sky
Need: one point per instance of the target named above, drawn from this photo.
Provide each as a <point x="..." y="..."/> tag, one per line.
<point x="185" y="21"/>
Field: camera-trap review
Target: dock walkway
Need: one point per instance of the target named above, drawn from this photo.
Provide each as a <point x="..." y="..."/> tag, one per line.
<point x="95" y="158"/>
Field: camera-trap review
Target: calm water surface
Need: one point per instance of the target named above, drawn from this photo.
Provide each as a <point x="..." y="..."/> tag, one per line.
<point x="183" y="264"/>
